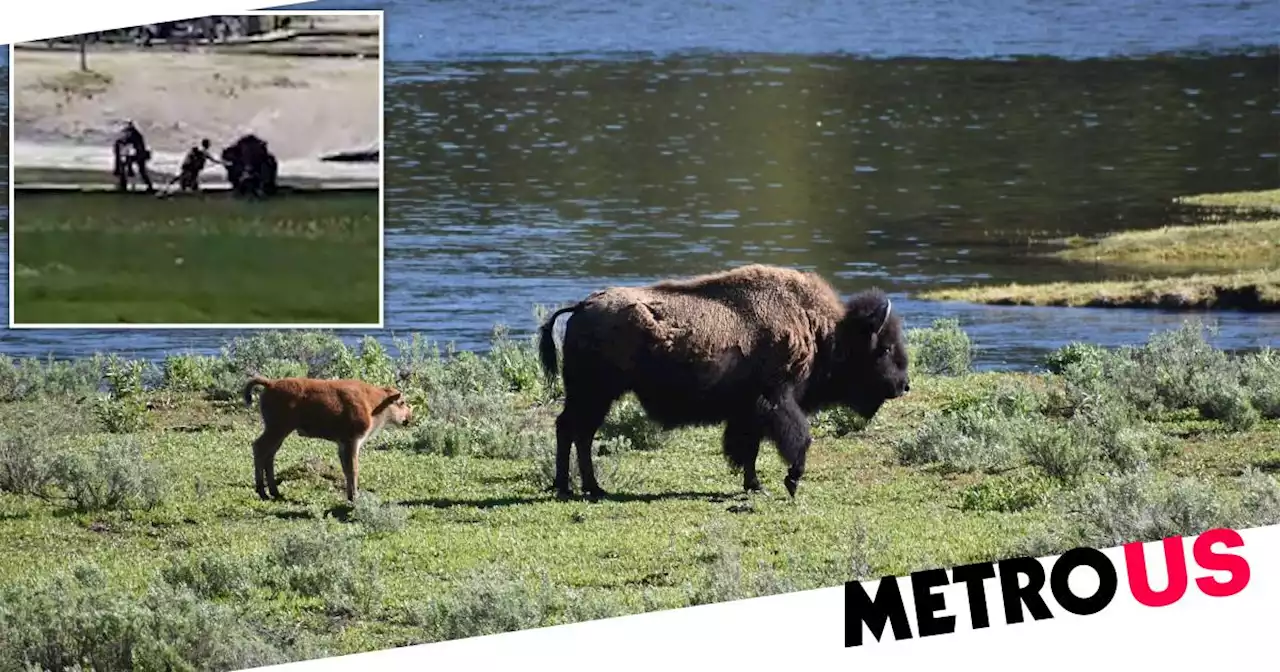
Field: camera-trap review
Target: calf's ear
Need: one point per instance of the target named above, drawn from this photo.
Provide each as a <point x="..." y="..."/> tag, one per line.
<point x="387" y="401"/>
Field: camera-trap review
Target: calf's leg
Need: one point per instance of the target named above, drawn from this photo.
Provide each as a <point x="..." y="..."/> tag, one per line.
<point x="264" y="455"/>
<point x="348" y="455"/>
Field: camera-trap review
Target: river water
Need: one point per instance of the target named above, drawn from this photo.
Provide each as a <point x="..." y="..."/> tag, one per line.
<point x="540" y="150"/>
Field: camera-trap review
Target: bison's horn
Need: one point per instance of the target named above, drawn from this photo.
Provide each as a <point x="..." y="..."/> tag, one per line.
<point x="888" y="308"/>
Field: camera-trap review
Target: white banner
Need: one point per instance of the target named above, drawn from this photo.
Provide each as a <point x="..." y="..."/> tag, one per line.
<point x="1216" y="610"/>
<point x="57" y="18"/>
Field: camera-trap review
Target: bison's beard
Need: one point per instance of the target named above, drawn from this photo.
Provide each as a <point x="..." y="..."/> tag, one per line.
<point x="867" y="408"/>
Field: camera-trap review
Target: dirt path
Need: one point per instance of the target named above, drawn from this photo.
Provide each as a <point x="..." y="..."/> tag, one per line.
<point x="304" y="107"/>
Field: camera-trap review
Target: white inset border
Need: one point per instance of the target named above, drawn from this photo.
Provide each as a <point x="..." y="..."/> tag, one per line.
<point x="108" y="17"/>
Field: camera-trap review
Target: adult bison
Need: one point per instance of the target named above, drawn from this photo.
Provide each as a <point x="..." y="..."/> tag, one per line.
<point x="757" y="348"/>
<point x="251" y="168"/>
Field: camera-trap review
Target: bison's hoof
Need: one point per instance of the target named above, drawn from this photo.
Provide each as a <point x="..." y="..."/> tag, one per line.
<point x="562" y="493"/>
<point x="595" y="493"/>
<point x="791" y="484"/>
<point x="756" y="489"/>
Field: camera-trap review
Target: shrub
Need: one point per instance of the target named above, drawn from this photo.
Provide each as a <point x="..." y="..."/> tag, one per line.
<point x="324" y="563"/>
<point x="27" y="458"/>
<point x="1260" y="377"/>
<point x="517" y="363"/>
<point x="505" y="436"/>
<point x="974" y="438"/>
<point x="27" y="379"/>
<point x="486" y="602"/>
<point x="370" y="363"/>
<point x="376" y="517"/>
<point x="315" y="352"/>
<point x="1058" y="453"/>
<point x="79" y="621"/>
<point x="1085" y="355"/>
<point x="1137" y="506"/>
<point x="944" y="348"/>
<point x="124" y="409"/>
<point x="1174" y="371"/>
<point x="838" y="422"/>
<point x="1259" y="500"/>
<point x="115" y="477"/>
<point x="1225" y="400"/>
<point x="627" y="426"/>
<point x="1006" y="494"/>
<point x="190" y="373"/>
<point x="210" y="575"/>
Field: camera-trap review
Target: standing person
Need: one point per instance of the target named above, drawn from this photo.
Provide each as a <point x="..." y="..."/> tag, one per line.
<point x="130" y="150"/>
<point x="188" y="178"/>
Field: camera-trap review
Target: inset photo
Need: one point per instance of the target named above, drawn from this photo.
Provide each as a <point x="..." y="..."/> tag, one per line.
<point x="223" y="171"/>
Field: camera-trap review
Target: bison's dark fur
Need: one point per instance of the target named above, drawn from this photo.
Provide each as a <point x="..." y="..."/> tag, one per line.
<point x="251" y="168"/>
<point x="757" y="348"/>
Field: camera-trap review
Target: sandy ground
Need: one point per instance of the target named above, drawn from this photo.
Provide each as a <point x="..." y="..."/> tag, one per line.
<point x="303" y="107"/>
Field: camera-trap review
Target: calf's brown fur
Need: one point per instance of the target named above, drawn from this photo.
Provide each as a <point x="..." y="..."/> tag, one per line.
<point x="346" y="412"/>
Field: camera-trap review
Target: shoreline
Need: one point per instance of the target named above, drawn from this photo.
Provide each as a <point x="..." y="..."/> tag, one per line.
<point x="1229" y="260"/>
<point x="72" y="159"/>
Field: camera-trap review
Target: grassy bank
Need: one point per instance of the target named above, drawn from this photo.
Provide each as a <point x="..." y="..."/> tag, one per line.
<point x="1250" y="290"/>
<point x="137" y="259"/>
<point x="126" y="495"/>
<point x="1231" y="261"/>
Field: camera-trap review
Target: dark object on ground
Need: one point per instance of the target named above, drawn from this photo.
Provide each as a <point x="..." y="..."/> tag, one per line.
<point x="251" y="168"/>
<point x="757" y="348"/>
<point x="367" y="156"/>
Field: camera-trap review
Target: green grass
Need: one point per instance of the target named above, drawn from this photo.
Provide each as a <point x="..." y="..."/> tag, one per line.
<point x="139" y="478"/>
<point x="1248" y="201"/>
<point x="1222" y="263"/>
<point x="26" y="175"/>
<point x="1250" y="290"/>
<point x="108" y="258"/>
<point x="1233" y="246"/>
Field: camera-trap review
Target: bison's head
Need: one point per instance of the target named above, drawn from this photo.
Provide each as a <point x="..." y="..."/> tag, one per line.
<point x="870" y="355"/>
<point x="397" y="410"/>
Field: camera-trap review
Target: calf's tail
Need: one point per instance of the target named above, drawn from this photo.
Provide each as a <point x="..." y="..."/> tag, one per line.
<point x="547" y="343"/>
<point x="254" y="381"/>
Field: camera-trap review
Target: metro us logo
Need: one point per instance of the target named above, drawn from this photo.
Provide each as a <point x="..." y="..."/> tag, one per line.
<point x="1021" y="582"/>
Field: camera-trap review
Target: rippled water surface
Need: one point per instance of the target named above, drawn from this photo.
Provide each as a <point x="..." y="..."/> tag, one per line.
<point x="538" y="151"/>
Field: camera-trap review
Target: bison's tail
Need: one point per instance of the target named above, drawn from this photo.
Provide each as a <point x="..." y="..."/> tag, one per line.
<point x="254" y="381"/>
<point x="547" y="343"/>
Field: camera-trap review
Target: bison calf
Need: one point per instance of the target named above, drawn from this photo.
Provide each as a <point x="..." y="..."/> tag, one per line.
<point x="346" y="412"/>
<point x="757" y="348"/>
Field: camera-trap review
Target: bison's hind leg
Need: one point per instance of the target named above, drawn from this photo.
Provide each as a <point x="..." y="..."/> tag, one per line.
<point x="742" y="437"/>
<point x="577" y="426"/>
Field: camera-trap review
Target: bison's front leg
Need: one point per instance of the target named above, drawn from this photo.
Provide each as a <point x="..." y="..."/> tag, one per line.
<point x="788" y="427"/>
